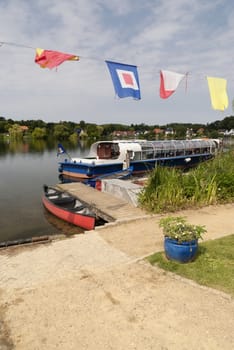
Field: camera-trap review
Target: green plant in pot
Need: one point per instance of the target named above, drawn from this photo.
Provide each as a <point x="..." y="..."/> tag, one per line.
<point x="181" y="238"/>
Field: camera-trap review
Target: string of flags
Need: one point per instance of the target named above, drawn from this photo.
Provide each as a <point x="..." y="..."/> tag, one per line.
<point x="125" y="78"/>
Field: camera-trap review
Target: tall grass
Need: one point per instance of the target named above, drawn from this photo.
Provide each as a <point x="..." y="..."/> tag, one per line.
<point x="170" y="189"/>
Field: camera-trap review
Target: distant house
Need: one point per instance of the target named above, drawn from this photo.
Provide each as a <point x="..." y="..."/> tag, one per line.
<point x="24" y="128"/>
<point x="124" y="134"/>
<point x="158" y="131"/>
<point x="169" y="131"/>
<point x="229" y="132"/>
<point x="200" y="131"/>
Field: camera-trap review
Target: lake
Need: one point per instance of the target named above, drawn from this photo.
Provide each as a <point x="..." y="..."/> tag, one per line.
<point x="24" y="168"/>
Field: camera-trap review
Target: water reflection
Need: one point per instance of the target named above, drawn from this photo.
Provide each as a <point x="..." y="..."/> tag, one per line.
<point x="24" y="168"/>
<point x="62" y="226"/>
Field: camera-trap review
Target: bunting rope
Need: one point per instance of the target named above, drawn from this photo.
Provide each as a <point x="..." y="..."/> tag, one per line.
<point x="125" y="76"/>
<point x="2" y="43"/>
<point x="15" y="44"/>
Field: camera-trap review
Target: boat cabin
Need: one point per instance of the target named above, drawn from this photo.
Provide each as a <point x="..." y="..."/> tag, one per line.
<point x="107" y="157"/>
<point x="141" y="149"/>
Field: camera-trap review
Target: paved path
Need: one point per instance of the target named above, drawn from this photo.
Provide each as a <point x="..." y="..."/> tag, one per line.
<point x="93" y="291"/>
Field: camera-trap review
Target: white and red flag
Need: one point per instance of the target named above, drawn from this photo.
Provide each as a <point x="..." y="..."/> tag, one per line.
<point x="169" y="81"/>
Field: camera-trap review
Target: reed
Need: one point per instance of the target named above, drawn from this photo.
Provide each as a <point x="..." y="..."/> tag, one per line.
<point x="169" y="189"/>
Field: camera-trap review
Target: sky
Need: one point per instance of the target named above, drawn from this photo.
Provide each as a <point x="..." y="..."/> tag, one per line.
<point x="194" y="37"/>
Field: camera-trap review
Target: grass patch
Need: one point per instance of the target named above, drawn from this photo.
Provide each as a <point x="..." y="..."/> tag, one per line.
<point x="213" y="266"/>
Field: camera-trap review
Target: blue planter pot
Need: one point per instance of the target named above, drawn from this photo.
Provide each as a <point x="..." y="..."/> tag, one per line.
<point x="181" y="252"/>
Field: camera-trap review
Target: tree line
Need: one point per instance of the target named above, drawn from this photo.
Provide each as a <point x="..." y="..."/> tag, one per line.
<point x="68" y="130"/>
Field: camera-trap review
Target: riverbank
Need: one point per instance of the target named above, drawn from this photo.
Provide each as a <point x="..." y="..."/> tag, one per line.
<point x="94" y="291"/>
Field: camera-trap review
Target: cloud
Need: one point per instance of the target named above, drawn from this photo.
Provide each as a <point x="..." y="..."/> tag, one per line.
<point x="194" y="37"/>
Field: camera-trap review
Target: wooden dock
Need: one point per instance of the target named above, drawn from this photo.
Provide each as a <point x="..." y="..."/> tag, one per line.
<point x="105" y="205"/>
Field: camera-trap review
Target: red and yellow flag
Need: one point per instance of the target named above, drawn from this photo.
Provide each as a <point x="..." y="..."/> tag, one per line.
<point x="51" y="59"/>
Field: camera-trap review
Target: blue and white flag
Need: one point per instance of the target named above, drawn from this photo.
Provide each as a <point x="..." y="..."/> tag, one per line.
<point x="125" y="79"/>
<point x="61" y="149"/>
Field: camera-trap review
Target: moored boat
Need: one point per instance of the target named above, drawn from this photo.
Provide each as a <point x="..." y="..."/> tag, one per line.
<point x="68" y="208"/>
<point x="106" y="157"/>
<point x="123" y="174"/>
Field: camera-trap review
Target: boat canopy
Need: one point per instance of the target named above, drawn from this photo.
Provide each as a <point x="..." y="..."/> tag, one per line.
<point x="142" y="149"/>
<point x="172" y="148"/>
<point x="179" y="144"/>
<point x="113" y="149"/>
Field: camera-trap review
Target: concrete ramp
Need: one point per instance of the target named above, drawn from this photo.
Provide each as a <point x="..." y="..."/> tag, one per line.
<point x="125" y="190"/>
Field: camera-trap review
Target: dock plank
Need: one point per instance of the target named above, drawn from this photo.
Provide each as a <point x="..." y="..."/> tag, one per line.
<point x="107" y="206"/>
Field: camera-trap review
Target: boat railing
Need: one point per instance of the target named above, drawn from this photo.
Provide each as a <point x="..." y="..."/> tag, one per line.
<point x="175" y="148"/>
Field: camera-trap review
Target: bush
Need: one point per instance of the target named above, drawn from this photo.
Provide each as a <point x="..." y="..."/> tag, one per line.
<point x="179" y="229"/>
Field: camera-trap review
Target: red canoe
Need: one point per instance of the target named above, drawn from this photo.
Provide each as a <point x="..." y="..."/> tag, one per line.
<point x="68" y="208"/>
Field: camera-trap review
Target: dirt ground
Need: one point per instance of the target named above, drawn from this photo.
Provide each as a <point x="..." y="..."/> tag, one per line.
<point x="94" y="291"/>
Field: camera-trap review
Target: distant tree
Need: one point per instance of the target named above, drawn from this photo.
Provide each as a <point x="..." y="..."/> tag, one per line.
<point x="73" y="137"/>
<point x="141" y="128"/>
<point x="214" y="126"/>
<point x="82" y="124"/>
<point x="4" y="126"/>
<point x="71" y="126"/>
<point x="227" y="123"/>
<point x="39" y="133"/>
<point x="214" y="134"/>
<point x="16" y="132"/>
<point x="93" y="130"/>
<point x="61" y="132"/>
<point x="50" y="128"/>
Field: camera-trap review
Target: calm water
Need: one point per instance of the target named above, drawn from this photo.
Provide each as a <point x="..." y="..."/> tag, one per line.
<point x="24" y="168"/>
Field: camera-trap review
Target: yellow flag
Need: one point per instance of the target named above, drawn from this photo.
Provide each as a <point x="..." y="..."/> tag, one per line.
<point x="218" y="93"/>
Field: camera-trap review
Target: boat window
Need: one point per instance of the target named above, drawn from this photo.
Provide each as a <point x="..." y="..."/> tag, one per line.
<point x="115" y="151"/>
<point x="179" y="152"/>
<point x="147" y="152"/>
<point x="159" y="153"/>
<point x="130" y="154"/>
<point x="189" y="151"/>
<point x="170" y="153"/>
<point x="108" y="151"/>
<point x="137" y="155"/>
